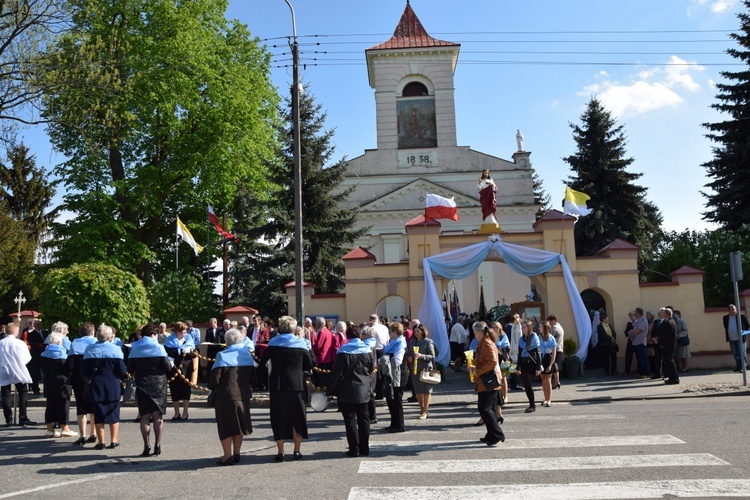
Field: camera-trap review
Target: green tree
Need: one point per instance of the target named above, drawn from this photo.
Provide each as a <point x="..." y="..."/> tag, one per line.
<point x="264" y="260"/>
<point x="26" y="191"/>
<point x="705" y="250"/>
<point x="541" y="197"/>
<point x="727" y="200"/>
<point x="16" y="262"/>
<point x="99" y="293"/>
<point x="177" y="297"/>
<point x="600" y="170"/>
<point x="160" y="106"/>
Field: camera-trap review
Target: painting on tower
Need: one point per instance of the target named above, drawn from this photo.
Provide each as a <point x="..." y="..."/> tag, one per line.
<point x="416" y="123"/>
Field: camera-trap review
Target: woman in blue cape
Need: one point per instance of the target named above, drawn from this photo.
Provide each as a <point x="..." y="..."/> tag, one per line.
<point x="148" y="362"/>
<point x="350" y="383"/>
<point x="289" y="358"/>
<point x="529" y="361"/>
<point x="56" y="387"/>
<point x="181" y="348"/>
<point x="231" y="379"/>
<point x="392" y="366"/>
<point x="84" y="410"/>
<point x="103" y="365"/>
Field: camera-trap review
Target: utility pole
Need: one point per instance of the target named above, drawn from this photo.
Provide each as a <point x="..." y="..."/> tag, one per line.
<point x="297" y="151"/>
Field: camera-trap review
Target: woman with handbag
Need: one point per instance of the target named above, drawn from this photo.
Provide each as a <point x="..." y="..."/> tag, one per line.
<point x="424" y="357"/>
<point x="548" y="347"/>
<point x="487" y="382"/>
<point x="529" y="361"/>
<point x="683" y="343"/>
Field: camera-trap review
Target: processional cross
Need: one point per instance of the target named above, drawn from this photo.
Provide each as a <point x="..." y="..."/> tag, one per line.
<point x="19" y="301"/>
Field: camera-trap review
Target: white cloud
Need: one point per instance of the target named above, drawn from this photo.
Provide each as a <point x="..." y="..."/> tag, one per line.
<point x="652" y="89"/>
<point x="716" y="6"/>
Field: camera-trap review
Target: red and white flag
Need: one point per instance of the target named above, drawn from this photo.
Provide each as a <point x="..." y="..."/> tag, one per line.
<point x="437" y="207"/>
<point x="215" y="220"/>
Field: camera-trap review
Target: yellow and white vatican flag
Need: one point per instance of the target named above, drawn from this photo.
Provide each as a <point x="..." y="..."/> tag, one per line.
<point x="184" y="233"/>
<point x="575" y="203"/>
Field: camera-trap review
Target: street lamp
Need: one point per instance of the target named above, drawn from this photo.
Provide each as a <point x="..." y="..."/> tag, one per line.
<point x="297" y="152"/>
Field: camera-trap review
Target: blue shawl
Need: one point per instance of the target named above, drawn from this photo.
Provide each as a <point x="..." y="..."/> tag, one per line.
<point x="287" y="340"/>
<point x="79" y="345"/>
<point x="173" y="341"/>
<point x="147" y="347"/>
<point x="234" y="355"/>
<point x="249" y="344"/>
<point x="503" y="343"/>
<point x="370" y="342"/>
<point x="103" y="350"/>
<point x="54" y="351"/>
<point x="526" y="348"/>
<point x="395" y="345"/>
<point x="355" y="346"/>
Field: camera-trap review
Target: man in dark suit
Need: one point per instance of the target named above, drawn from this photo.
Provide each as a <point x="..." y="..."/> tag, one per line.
<point x="214" y="334"/>
<point x="35" y="340"/>
<point x="734" y="337"/>
<point x="666" y="331"/>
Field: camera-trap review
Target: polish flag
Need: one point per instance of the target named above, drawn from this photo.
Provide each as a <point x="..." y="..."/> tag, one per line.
<point x="437" y="207"/>
<point x="215" y="220"/>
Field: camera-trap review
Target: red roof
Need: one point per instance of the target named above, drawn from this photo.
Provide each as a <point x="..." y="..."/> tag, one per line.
<point x="293" y="284"/>
<point x="359" y="253"/>
<point x="241" y="309"/>
<point x="419" y="220"/>
<point x="687" y="270"/>
<point x="25" y="313"/>
<point x="411" y="34"/>
<point x="619" y="244"/>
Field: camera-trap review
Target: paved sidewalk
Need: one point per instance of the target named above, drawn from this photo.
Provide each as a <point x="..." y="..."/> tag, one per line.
<point x="593" y="386"/>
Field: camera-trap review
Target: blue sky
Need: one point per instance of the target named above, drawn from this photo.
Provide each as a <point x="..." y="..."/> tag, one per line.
<point x="653" y="64"/>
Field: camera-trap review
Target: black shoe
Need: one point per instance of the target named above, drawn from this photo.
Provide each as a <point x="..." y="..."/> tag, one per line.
<point x="483" y="439"/>
<point x="228" y="461"/>
<point x="112" y="446"/>
<point x="25" y="421"/>
<point x="279" y="457"/>
<point x="365" y="453"/>
<point x="672" y="382"/>
<point x="352" y="454"/>
<point x="175" y="418"/>
<point x="99" y="446"/>
<point x="392" y="430"/>
<point x="530" y="409"/>
<point x="91" y="439"/>
<point x="556" y="386"/>
<point x="146" y="451"/>
<point x="8" y="423"/>
<point x="80" y="441"/>
<point x="297" y="455"/>
<point x="157" y="450"/>
<point x="374" y="421"/>
<point x="236" y="457"/>
<point x="411" y="400"/>
<point x="500" y="419"/>
<point x="492" y="443"/>
<point x="737" y="371"/>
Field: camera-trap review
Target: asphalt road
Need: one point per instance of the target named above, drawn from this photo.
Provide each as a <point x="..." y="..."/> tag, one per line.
<point x="691" y="447"/>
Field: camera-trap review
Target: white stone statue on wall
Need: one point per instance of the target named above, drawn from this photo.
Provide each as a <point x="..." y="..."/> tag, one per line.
<point x="519" y="140"/>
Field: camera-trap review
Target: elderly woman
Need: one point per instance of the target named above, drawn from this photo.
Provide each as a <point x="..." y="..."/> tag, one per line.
<point x="392" y="367"/>
<point x="56" y="385"/>
<point x="84" y="410"/>
<point x="180" y="348"/>
<point x="231" y="380"/>
<point x="62" y="329"/>
<point x="290" y="359"/>
<point x="104" y="367"/>
<point x="148" y="362"/>
<point x="487" y="362"/>
<point x="350" y="383"/>
<point x="425" y="358"/>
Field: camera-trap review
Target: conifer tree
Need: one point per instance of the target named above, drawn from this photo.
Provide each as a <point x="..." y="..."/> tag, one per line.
<point x="727" y="202"/>
<point x="600" y="170"/>
<point x="541" y="197"/>
<point x="264" y="261"/>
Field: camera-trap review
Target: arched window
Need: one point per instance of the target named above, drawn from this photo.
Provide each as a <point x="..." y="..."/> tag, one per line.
<point x="414" y="89"/>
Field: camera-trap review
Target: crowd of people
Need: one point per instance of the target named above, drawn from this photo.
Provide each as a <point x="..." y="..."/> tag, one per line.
<point x="354" y="363"/>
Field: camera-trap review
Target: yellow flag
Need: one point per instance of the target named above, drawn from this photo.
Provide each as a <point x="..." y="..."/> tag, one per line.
<point x="184" y="233"/>
<point x="575" y="203"/>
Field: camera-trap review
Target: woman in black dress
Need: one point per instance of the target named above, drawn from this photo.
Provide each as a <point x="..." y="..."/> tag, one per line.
<point x="180" y="347"/>
<point x="84" y="411"/>
<point x="231" y="379"/>
<point x="56" y="387"/>
<point x="289" y="359"/>
<point x="148" y="362"/>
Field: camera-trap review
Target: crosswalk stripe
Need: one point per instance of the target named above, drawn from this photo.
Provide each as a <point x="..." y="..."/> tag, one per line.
<point x="511" y="418"/>
<point x="689" y="488"/>
<point x="525" y="464"/>
<point x="533" y="443"/>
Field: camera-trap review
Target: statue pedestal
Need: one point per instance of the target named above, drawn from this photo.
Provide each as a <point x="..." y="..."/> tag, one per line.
<point x="490" y="229"/>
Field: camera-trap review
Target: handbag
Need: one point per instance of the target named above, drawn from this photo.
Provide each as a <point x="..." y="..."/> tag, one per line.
<point x="211" y="399"/>
<point x="429" y="376"/>
<point x="490" y="380"/>
<point x="683" y="341"/>
<point x="614" y="347"/>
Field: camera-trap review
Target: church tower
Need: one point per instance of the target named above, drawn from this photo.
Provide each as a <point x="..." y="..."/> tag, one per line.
<point x="412" y="75"/>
